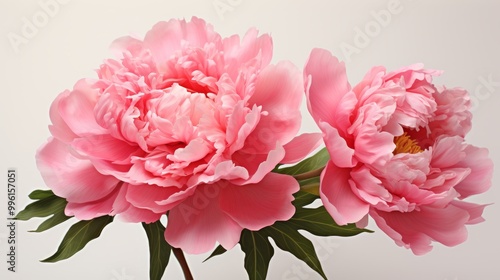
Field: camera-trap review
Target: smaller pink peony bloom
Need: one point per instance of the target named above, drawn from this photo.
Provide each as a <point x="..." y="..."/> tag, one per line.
<point x="184" y="122"/>
<point x="397" y="152"/>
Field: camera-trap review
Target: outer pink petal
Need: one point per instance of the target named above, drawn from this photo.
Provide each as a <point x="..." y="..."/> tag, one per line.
<point x="59" y="129"/>
<point x="278" y="90"/>
<point x="301" y="146"/>
<point x="75" y="179"/>
<point x="77" y="110"/>
<point x="338" y="197"/>
<point x="479" y="180"/>
<point x="259" y="205"/>
<point x="93" y="209"/>
<point x="417" y="229"/>
<point x="326" y="85"/>
<point x="264" y="166"/>
<point x="198" y="223"/>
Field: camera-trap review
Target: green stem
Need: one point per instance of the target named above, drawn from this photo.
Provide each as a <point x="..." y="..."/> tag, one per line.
<point x="309" y="174"/>
<point x="182" y="261"/>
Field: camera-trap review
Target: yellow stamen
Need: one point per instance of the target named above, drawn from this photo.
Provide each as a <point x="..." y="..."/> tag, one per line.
<point x="404" y="144"/>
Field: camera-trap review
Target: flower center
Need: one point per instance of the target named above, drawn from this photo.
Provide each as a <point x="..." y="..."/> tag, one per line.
<point x="404" y="144"/>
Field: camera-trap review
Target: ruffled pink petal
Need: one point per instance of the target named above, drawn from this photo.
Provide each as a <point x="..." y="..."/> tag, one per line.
<point x="481" y="166"/>
<point x="147" y="196"/>
<point x="338" y="197"/>
<point x="475" y="211"/>
<point x="93" y="209"/>
<point x="70" y="177"/>
<point x="113" y="204"/>
<point x="166" y="38"/>
<point x="264" y="167"/>
<point x="77" y="110"/>
<point x="251" y="47"/>
<point x="255" y="206"/>
<point x="198" y="223"/>
<point x="340" y="153"/>
<point x="447" y="151"/>
<point x="106" y="147"/>
<point x="278" y="90"/>
<point x="416" y="229"/>
<point x="326" y="84"/>
<point x="301" y="146"/>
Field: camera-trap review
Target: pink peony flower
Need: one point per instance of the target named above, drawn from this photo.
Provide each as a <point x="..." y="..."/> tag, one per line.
<point x="397" y="152"/>
<point x="185" y="121"/>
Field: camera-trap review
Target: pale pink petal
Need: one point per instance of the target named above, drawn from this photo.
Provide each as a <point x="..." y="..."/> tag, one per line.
<point x="268" y="201"/>
<point x="479" y="180"/>
<point x="59" y="129"/>
<point x="70" y="177"/>
<point x="166" y="38"/>
<point x="301" y="146"/>
<point x="475" y="211"/>
<point x="279" y="91"/>
<point x="198" y="223"/>
<point x="338" y="197"/>
<point x="326" y="85"/>
<point x="273" y="158"/>
<point x="77" y="110"/>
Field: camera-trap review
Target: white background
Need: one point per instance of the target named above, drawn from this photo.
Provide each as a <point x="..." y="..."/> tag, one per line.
<point x="460" y="37"/>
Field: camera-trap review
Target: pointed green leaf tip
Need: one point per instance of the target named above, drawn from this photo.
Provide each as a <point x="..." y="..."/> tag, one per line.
<point x="78" y="236"/>
<point x="46" y="204"/>
<point x="290" y="240"/>
<point x="258" y="253"/>
<point x="218" y="251"/>
<point x="317" y="161"/>
<point x="159" y="249"/>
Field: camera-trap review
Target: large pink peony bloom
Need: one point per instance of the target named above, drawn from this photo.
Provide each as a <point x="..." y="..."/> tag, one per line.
<point x="186" y="122"/>
<point x="397" y="152"/>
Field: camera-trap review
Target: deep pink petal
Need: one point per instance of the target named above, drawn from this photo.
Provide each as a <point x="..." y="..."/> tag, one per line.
<point x="255" y="206"/>
<point x="70" y="177"/>
<point x="301" y="146"/>
<point x="338" y="197"/>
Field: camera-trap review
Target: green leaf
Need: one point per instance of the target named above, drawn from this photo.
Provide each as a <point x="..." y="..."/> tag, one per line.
<point x="218" y="251"/>
<point x="319" y="222"/>
<point x="44" y="207"/>
<point x="159" y="249"/>
<point x="40" y="194"/>
<point x="303" y="198"/>
<point x="258" y="253"/>
<point x="53" y="221"/>
<point x="78" y="236"/>
<point x="289" y="239"/>
<point x="315" y="162"/>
